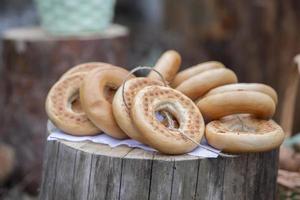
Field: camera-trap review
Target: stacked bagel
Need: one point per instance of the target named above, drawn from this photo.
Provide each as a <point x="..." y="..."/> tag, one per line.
<point x="82" y="98"/>
<point x="98" y="97"/>
<point x="238" y="115"/>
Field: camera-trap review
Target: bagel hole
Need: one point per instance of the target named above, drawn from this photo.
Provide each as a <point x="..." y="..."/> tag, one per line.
<point x="164" y="117"/>
<point x="240" y="125"/>
<point x="76" y="106"/>
<point x="109" y="92"/>
<point x="241" y="128"/>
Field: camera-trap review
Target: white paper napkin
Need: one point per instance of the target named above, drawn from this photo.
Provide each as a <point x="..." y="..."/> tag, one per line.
<point x="56" y="134"/>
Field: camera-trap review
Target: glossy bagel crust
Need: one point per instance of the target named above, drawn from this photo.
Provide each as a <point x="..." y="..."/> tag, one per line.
<point x="122" y="113"/>
<point x="194" y="70"/>
<point x="59" y="107"/>
<point x="198" y="85"/>
<point x="244" y="134"/>
<point x="219" y="105"/>
<point x="151" y="99"/>
<point x="259" y="87"/>
<point x="85" y="67"/>
<point x="96" y="105"/>
<point x="167" y="65"/>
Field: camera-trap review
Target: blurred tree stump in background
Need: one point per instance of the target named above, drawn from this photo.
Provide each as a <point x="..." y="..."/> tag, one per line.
<point x="257" y="39"/>
<point x="32" y="62"/>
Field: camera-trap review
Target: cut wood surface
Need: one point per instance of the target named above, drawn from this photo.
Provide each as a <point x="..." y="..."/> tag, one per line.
<point x="32" y="62"/>
<point x="86" y="170"/>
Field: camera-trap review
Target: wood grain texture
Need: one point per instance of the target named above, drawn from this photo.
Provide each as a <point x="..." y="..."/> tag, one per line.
<point x="32" y="62"/>
<point x="210" y="179"/>
<point x="82" y="174"/>
<point x="161" y="177"/>
<point x="94" y="171"/>
<point x="49" y="169"/>
<point x="136" y="175"/>
<point x="66" y="160"/>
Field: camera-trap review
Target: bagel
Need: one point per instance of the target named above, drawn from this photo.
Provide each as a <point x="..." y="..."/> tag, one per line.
<point x="259" y="87"/>
<point x="96" y="93"/>
<point x="85" y="67"/>
<point x="194" y="70"/>
<point x="227" y="103"/>
<point x="167" y="65"/>
<point x="152" y="100"/>
<point x="122" y="113"/>
<point x="243" y="134"/>
<point x="198" y="85"/>
<point x="60" y="111"/>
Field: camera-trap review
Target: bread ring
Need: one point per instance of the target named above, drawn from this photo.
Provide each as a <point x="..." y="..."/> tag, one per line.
<point x="95" y="102"/>
<point x="85" y="67"/>
<point x="258" y="87"/>
<point x="167" y="65"/>
<point x="59" y="107"/>
<point x="153" y="99"/>
<point x="194" y="70"/>
<point x="122" y="113"/>
<point x="243" y="134"/>
<point x="198" y="85"/>
<point x="219" y="105"/>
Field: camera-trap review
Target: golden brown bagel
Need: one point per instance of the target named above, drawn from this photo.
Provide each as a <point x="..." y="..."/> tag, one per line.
<point x="153" y="99"/>
<point x="259" y="87"/>
<point x="227" y="103"/>
<point x="122" y="113"/>
<point x="243" y="134"/>
<point x="198" y="85"/>
<point x="60" y="111"/>
<point x="167" y="65"/>
<point x="85" y="67"/>
<point x="194" y="70"/>
<point x="94" y="100"/>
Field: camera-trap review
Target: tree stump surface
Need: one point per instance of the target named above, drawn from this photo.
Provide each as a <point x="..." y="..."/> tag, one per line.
<point x="32" y="62"/>
<point x="85" y="170"/>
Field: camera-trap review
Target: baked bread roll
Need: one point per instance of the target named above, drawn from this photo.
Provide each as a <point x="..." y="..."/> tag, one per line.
<point x="168" y="138"/>
<point x="60" y="110"/>
<point x="196" y="86"/>
<point x="219" y="105"/>
<point x="258" y="87"/>
<point x="244" y="134"/>
<point x="85" y="67"/>
<point x="194" y="70"/>
<point x="167" y="65"/>
<point x="96" y="94"/>
<point x="121" y="110"/>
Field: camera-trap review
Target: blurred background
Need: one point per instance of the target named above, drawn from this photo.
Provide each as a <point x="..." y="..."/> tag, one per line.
<point x="257" y="39"/>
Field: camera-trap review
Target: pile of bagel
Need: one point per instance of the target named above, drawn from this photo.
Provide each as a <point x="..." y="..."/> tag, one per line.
<point x="167" y="110"/>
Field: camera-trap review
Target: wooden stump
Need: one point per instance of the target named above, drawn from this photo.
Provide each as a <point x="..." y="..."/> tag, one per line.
<point x="92" y="171"/>
<point x="32" y="62"/>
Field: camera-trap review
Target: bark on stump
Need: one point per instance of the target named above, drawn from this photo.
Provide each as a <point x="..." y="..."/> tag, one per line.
<point x="87" y="170"/>
<point x="33" y="61"/>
